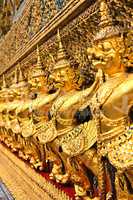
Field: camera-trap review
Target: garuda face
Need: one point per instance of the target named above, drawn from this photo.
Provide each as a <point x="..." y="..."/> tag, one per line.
<point x="59" y="77"/>
<point x="106" y="53"/>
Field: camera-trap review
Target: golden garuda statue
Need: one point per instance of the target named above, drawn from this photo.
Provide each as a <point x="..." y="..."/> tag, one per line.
<point x="112" y="104"/>
<point x="5" y="95"/>
<point x="63" y="136"/>
<point x="32" y="113"/>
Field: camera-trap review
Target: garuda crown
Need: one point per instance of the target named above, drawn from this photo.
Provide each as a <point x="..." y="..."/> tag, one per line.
<point x="107" y="27"/>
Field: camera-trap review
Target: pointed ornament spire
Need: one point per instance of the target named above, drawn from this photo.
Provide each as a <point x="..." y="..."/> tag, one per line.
<point x="38" y="69"/>
<point x="39" y="65"/>
<point x="62" y="62"/>
<point x="106" y="26"/>
<point x="106" y="19"/>
<point x="15" y="77"/>
<point x="4" y="85"/>
<point x="21" y="77"/>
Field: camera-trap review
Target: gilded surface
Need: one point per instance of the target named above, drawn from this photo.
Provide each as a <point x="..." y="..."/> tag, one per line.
<point x="75" y="115"/>
<point x="23" y="182"/>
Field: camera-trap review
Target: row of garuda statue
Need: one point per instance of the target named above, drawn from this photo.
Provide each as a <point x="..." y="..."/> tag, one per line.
<point x="83" y="137"/>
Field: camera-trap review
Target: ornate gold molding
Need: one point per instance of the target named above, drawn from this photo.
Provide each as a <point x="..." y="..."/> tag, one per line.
<point x="72" y="9"/>
<point x="23" y="182"/>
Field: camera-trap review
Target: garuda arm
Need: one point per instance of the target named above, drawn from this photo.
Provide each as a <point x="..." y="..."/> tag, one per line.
<point x="82" y="95"/>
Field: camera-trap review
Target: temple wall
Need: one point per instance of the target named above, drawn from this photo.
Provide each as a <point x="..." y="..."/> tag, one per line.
<point x="37" y="27"/>
<point x="77" y="20"/>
